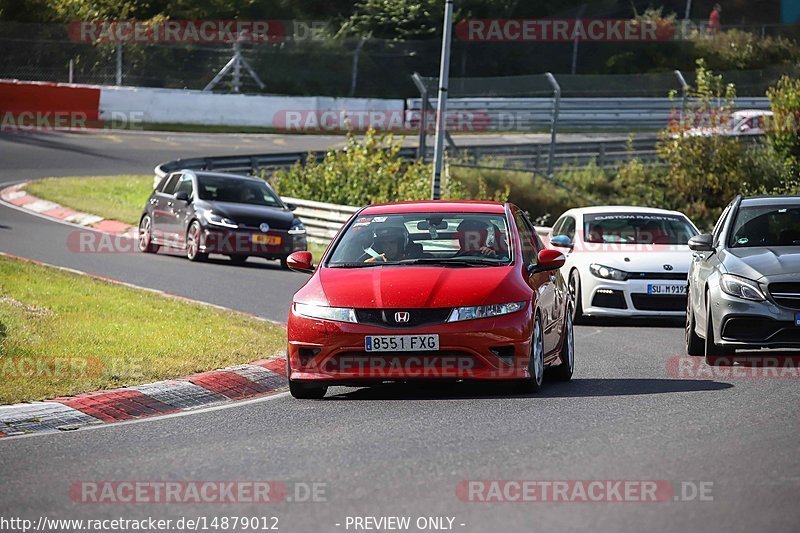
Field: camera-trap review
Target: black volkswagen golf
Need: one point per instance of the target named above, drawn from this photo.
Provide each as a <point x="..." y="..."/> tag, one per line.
<point x="205" y="212"/>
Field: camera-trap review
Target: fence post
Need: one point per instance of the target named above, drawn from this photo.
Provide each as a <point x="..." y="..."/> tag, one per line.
<point x="423" y="115"/>
<point x="554" y="124"/>
<point x="71" y="69"/>
<point x="441" y="101"/>
<point x="119" y="64"/>
<point x="577" y="39"/>
<point x="354" y="73"/>
<point x="684" y="94"/>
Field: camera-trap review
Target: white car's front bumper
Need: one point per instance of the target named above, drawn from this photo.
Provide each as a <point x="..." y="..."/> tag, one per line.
<point x="602" y="297"/>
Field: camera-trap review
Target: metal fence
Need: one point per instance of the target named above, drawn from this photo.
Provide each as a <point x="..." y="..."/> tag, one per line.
<point x="532" y="114"/>
<point x="554" y="103"/>
<point x="338" y="66"/>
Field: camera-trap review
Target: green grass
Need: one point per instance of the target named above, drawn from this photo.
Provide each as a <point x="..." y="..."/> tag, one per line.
<point x="114" y="197"/>
<point x="75" y="334"/>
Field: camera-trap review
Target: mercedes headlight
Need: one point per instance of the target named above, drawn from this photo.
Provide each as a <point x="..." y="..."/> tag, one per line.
<point x="337" y="314"/>
<point x="741" y="288"/>
<point x="605" y="272"/>
<point x="217" y="220"/>
<point x="484" y="311"/>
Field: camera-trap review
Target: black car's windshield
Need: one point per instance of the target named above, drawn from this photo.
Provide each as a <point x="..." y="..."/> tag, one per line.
<point x="766" y="225"/>
<point x="637" y="228"/>
<point x="236" y="190"/>
<point x="449" y="239"/>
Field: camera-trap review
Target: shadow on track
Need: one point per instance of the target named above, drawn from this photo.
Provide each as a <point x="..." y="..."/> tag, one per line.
<point x="55" y="141"/>
<point x="669" y="322"/>
<point x="222" y="260"/>
<point x="578" y="388"/>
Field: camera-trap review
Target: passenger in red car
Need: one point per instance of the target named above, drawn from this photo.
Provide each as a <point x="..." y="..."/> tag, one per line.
<point x="473" y="239"/>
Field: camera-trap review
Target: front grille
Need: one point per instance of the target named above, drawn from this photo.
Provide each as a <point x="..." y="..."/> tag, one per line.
<point x="386" y="318"/>
<point x="750" y="328"/>
<point x="610" y="299"/>
<point x="658" y="302"/>
<point x="658" y="275"/>
<point x="786" y="294"/>
<point x="755" y="330"/>
<point x="787" y="335"/>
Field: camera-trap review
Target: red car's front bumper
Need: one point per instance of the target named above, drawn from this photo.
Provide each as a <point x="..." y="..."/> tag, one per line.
<point x="484" y="349"/>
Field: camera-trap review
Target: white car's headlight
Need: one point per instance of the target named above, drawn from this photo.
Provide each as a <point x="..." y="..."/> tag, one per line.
<point x="484" y="311"/>
<point x="605" y="272"/>
<point x="337" y="314"/>
<point x="741" y="288"/>
<point x="218" y="220"/>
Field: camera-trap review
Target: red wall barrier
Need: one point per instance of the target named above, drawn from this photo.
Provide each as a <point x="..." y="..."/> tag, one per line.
<point x="40" y="97"/>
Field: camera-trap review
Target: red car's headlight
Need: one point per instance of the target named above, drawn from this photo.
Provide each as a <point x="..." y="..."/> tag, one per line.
<point x="337" y="314"/>
<point x="484" y="311"/>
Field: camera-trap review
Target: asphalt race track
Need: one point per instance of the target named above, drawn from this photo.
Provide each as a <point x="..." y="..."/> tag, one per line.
<point x="397" y="450"/>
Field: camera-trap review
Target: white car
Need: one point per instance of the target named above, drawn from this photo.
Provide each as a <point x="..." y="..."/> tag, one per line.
<point x="625" y="261"/>
<point x="740" y="123"/>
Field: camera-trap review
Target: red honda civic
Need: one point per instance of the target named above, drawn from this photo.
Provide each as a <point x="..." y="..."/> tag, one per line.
<point x="433" y="290"/>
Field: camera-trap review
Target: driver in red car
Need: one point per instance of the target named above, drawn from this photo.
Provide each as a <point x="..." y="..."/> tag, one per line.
<point x="388" y="244"/>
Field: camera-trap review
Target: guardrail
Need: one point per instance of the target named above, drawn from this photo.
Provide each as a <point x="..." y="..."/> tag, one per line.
<point x="322" y="220"/>
<point x="522" y="114"/>
<point x="250" y="163"/>
<point x="535" y="156"/>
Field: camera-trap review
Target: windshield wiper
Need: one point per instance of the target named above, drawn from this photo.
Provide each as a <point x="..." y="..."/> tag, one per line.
<point x="359" y="265"/>
<point x="450" y="261"/>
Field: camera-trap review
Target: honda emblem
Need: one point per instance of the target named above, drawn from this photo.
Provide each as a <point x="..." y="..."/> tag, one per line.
<point x="401" y="317"/>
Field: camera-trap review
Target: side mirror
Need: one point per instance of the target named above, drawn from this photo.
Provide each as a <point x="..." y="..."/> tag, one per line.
<point x="561" y="241"/>
<point x="547" y="260"/>
<point x="183" y="196"/>
<point x="291" y="207"/>
<point x="301" y="262"/>
<point x="702" y="243"/>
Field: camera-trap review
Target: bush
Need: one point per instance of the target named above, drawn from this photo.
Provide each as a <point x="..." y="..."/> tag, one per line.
<point x="369" y="171"/>
<point x="784" y="134"/>
<point x="739" y="50"/>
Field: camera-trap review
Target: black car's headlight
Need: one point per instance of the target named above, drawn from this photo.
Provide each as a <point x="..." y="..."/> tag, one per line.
<point x="484" y="311"/>
<point x="605" y="272"/>
<point x="323" y="312"/>
<point x="218" y="220"/>
<point x="744" y="288"/>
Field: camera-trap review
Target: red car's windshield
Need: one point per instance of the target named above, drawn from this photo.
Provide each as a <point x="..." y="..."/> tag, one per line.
<point x="415" y="238"/>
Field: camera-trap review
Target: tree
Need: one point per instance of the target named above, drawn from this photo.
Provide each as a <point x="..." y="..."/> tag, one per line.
<point x="784" y="133"/>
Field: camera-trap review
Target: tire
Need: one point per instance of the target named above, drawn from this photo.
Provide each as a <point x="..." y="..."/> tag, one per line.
<point x="301" y="391"/>
<point x="536" y="361"/>
<point x="146" y="236"/>
<point x="694" y="344"/>
<point x="193" y="243"/>
<point x="574" y="285"/>
<point x="284" y="263"/>
<point x="238" y="259"/>
<point x="716" y="355"/>
<point x="563" y="372"/>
